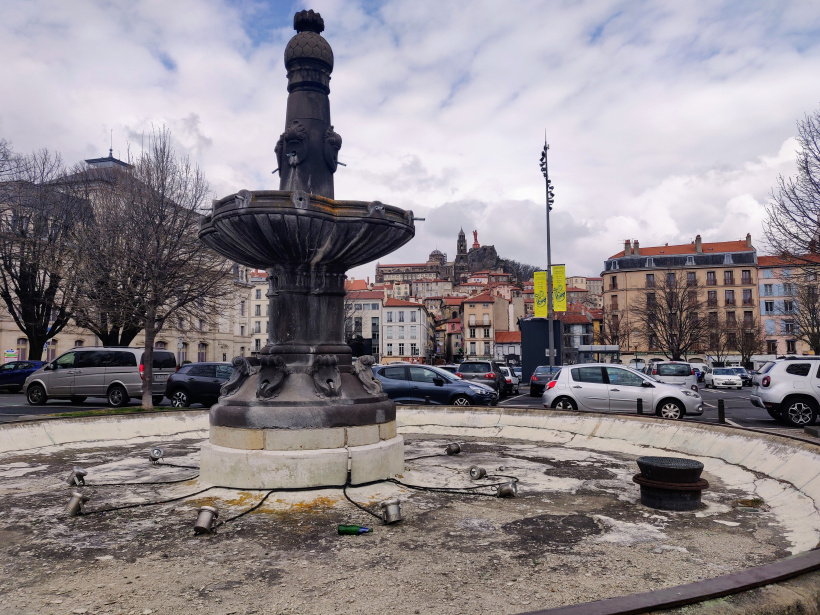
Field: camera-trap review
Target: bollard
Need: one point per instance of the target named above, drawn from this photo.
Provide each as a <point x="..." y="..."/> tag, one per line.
<point x="640" y="406"/>
<point x="721" y="413"/>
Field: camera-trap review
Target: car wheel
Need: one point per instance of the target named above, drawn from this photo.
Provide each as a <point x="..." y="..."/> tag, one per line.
<point x="670" y="409"/>
<point x="180" y="399"/>
<point x="78" y="399"/>
<point x="157" y="399"/>
<point x="564" y="403"/>
<point x="117" y="396"/>
<point x="36" y="395"/>
<point x="462" y="400"/>
<point x="800" y="412"/>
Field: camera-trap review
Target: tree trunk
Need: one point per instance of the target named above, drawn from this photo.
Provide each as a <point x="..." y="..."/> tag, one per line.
<point x="148" y="358"/>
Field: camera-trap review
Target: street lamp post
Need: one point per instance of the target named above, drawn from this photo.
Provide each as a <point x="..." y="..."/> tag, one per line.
<point x="550" y="200"/>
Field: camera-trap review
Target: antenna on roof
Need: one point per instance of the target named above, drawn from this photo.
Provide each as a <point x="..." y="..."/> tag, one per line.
<point x="111" y="149"/>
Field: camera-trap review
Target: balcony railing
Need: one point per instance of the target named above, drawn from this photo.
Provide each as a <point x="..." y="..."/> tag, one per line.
<point x="730" y="302"/>
<point x="748" y="301"/>
<point x="711" y="302"/>
<point x="728" y="282"/>
<point x="746" y="280"/>
<point x="711" y="282"/>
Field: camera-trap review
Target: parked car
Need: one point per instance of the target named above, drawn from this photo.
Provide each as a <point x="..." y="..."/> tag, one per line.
<point x="602" y="387"/>
<point x="13" y="375"/>
<point x="485" y="372"/>
<point x="452" y="368"/>
<point x="745" y="377"/>
<point x="416" y="384"/>
<point x="675" y="372"/>
<point x="197" y="383"/>
<point x="113" y="373"/>
<point x="517" y="372"/>
<point x="540" y="377"/>
<point x="789" y="390"/>
<point x="511" y="380"/>
<point x="717" y="377"/>
<point x="700" y="370"/>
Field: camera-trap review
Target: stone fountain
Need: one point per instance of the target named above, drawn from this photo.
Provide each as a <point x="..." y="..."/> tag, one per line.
<point x="301" y="413"/>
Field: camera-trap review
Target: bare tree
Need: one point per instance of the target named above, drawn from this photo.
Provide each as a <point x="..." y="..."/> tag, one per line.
<point x="720" y="340"/>
<point x="613" y="330"/>
<point x="36" y="216"/>
<point x="668" y="316"/>
<point x="793" y="214"/>
<point x="139" y="255"/>
<point x="805" y="315"/>
<point x="748" y="339"/>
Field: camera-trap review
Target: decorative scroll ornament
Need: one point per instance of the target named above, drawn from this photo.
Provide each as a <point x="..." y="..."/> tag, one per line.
<point x="332" y="145"/>
<point x="363" y="368"/>
<point x="242" y="369"/>
<point x="271" y="376"/>
<point x="326" y="376"/>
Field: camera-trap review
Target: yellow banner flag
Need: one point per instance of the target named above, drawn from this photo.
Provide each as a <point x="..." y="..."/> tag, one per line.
<point x="559" y="288"/>
<point x="539" y="279"/>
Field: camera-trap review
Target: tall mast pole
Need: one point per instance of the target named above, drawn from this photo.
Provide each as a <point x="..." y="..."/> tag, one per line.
<point x="550" y="198"/>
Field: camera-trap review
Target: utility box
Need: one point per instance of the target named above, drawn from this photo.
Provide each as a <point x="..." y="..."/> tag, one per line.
<point x="535" y="344"/>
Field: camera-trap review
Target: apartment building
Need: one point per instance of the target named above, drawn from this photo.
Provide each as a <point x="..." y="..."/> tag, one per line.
<point x="363" y="317"/>
<point x="779" y="305"/>
<point x="721" y="274"/>
<point x="481" y="316"/>
<point x="409" y="332"/>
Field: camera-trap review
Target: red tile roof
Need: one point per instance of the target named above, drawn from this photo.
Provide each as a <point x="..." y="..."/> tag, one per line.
<point x="399" y="303"/>
<point x="364" y="294"/>
<point x="508" y="337"/>
<point x="484" y="298"/>
<point x="355" y="284"/>
<point x="689" y="248"/>
<point x="572" y="318"/>
<point x="575" y="289"/>
<point x="787" y="261"/>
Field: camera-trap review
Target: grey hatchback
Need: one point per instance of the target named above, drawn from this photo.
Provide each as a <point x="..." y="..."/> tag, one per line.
<point x="423" y="384"/>
<point x="486" y="372"/>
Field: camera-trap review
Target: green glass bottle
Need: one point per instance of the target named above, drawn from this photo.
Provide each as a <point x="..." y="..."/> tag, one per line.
<point x="354" y="529"/>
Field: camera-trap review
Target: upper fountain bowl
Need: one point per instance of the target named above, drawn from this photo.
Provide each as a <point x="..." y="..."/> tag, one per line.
<point x="268" y="227"/>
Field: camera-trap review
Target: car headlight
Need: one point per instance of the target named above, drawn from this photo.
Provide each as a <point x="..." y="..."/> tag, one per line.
<point x="479" y="390"/>
<point x="688" y="393"/>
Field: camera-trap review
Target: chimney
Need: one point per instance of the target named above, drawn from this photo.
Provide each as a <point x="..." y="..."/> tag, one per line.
<point x="627" y="248"/>
<point x="635" y="249"/>
<point x="748" y="240"/>
<point x="698" y="244"/>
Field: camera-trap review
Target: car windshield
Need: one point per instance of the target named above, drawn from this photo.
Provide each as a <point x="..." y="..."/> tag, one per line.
<point x="474" y="368"/>
<point x="739" y="370"/>
<point x="724" y="371"/>
<point x="674" y="369"/>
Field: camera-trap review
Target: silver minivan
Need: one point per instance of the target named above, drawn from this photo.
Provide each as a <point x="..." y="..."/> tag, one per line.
<point x="113" y="373"/>
<point x="675" y="372"/>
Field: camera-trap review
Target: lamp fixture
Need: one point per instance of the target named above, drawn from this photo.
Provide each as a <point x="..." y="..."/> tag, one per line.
<point x="205" y="520"/>
<point x="476" y="472"/>
<point x="391" y="511"/>
<point x="77" y="477"/>
<point x="507" y="490"/>
<point x="75" y="504"/>
<point x="453" y="449"/>
<point x="155" y="455"/>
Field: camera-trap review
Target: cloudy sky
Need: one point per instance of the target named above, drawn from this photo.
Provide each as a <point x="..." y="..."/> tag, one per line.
<point x="665" y="119"/>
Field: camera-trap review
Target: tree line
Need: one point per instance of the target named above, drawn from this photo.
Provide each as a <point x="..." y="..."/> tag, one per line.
<point x="113" y="248"/>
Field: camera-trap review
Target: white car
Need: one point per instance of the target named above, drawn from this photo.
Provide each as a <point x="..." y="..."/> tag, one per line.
<point x="719" y="377"/>
<point x="603" y="386"/>
<point x="511" y="380"/>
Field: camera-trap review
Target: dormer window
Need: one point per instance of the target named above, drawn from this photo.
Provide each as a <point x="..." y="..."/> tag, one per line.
<point x="690" y="260"/>
<point x="650" y="262"/>
<point x="727" y="259"/>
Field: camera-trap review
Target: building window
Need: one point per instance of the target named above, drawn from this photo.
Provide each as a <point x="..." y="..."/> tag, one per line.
<point x="267" y="326"/>
<point x="357" y="326"/>
<point x="486" y="332"/>
<point x="388" y="332"/>
<point x="258" y="310"/>
<point x="183" y="353"/>
<point x="413" y="332"/>
<point x="791" y="347"/>
<point x="374" y="331"/>
<point x="788" y="306"/>
<point x="613" y="303"/>
<point x="650" y="280"/>
<point x="401" y="349"/>
<point x="788" y="327"/>
<point x="257" y="326"/>
<point x="691" y="278"/>
<point x="771" y="346"/>
<point x="748" y="319"/>
<point x="258" y="293"/>
<point x="472" y="332"/>
<point x="202" y="352"/>
<point x="768" y="307"/>
<point x="690" y="260"/>
<point x="413" y="317"/>
<point x="692" y="297"/>
<point x="22" y="349"/>
<point x="730" y="297"/>
<point x="472" y="348"/>
<point x="257" y="344"/>
<point x="389" y="350"/>
<point x="613" y="282"/>
<point x="357" y="307"/>
<point x="79" y="343"/>
<point x="746" y="276"/>
<point x="160" y="345"/>
<point x="747" y="296"/>
<point x="768" y="290"/>
<point x="650" y="300"/>
<point x="711" y="278"/>
<point x="712" y="319"/>
<point x="731" y="321"/>
<point x="728" y="278"/>
<point x="400" y="332"/>
<point x="711" y="298"/>
<point x="414" y="350"/>
<point x="389" y="316"/>
<point x="486" y="349"/>
<point x="241" y="308"/>
<point x="242" y="330"/>
<point x="401" y="316"/>
<point x="670" y="278"/>
<point x="788" y="289"/>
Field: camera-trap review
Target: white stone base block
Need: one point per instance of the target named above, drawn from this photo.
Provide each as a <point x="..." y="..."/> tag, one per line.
<point x="261" y="469"/>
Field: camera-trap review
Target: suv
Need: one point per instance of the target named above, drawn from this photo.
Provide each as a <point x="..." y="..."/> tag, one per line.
<point x="113" y="373"/>
<point x="421" y="384"/>
<point x="788" y="390"/>
<point x="486" y="372"/>
<point x="197" y="383"/>
<point x="510" y="379"/>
